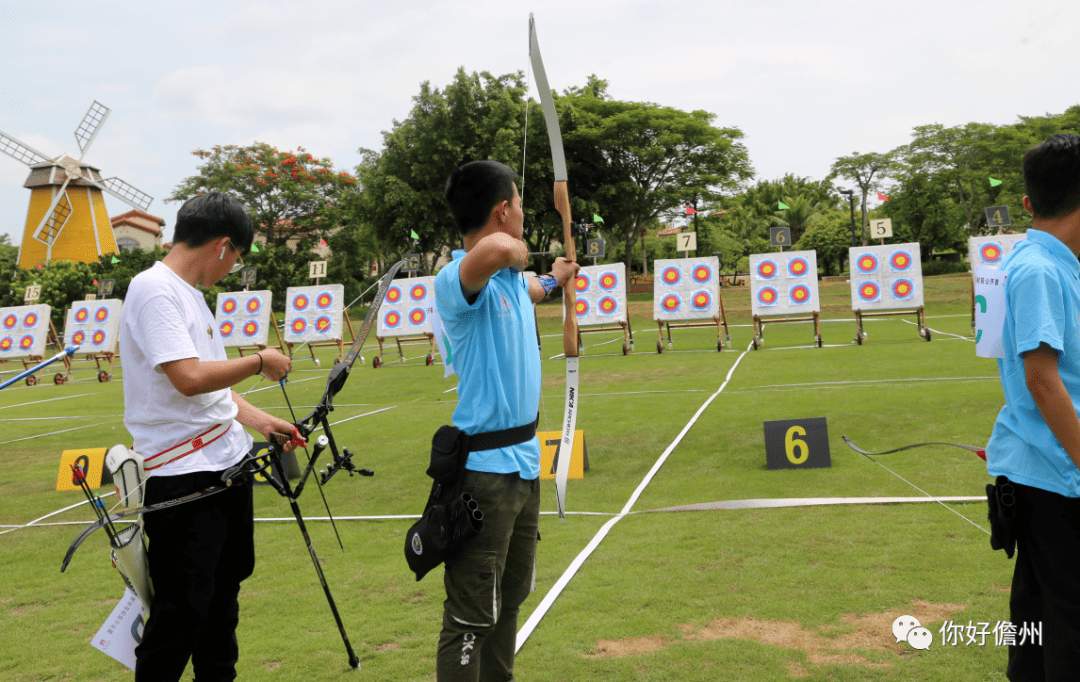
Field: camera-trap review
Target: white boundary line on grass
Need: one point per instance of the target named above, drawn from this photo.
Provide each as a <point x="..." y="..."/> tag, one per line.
<point x="553" y="594"/>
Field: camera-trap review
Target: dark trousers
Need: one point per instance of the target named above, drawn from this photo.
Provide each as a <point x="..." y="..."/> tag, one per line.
<point x="487" y="581"/>
<point x="1046" y="586"/>
<point x="199" y="553"/>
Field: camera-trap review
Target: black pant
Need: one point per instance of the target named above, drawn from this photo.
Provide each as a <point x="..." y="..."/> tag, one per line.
<point x="1046" y="586"/>
<point x="488" y="579"/>
<point x="199" y="553"/>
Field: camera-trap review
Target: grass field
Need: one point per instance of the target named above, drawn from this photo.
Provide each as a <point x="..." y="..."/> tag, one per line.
<point x="801" y="593"/>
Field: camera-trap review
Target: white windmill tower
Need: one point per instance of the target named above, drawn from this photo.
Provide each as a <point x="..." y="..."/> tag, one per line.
<point x="67" y="219"/>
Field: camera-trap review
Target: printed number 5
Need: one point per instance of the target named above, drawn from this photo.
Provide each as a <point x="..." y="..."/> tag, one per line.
<point x="791" y="444"/>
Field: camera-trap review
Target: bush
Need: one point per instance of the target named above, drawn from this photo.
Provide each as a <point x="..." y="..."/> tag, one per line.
<point x="944" y="267"/>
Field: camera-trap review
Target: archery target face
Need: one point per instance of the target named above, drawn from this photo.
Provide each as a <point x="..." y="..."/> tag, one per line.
<point x="406" y="309"/>
<point x="95" y="323"/>
<point x="797" y="267"/>
<point x="243" y="317"/>
<point x="686" y="289"/>
<point x="991" y="250"/>
<point x="784" y="283"/>
<point x="600" y="294"/>
<point x="886" y="277"/>
<point x="313" y="314"/>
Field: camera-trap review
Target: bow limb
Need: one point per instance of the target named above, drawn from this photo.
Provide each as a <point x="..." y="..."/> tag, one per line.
<point x="570" y="327"/>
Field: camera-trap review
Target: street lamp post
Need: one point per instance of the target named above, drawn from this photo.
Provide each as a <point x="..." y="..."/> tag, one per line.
<point x="851" y="201"/>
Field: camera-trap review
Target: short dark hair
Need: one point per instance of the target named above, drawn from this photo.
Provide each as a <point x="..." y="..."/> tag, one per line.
<point x="474" y="189"/>
<point x="208" y="216"/>
<point x="1052" y="175"/>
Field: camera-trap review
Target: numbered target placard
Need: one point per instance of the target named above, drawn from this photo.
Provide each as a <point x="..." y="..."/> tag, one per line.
<point x="243" y="317"/>
<point x="991" y="250"/>
<point x="406" y="310"/>
<point x="94" y="325"/>
<point x="797" y="444"/>
<point x="686" y="288"/>
<point x="314" y="314"/>
<point x="784" y="283"/>
<point x="600" y="295"/>
<point x="24" y="330"/>
<point x="886" y="277"/>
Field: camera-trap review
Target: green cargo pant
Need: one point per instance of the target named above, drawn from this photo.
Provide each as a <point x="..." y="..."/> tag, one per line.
<point x="487" y="581"/>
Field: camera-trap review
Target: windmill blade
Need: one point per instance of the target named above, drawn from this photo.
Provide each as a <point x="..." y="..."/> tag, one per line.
<point x="126" y="193"/>
<point x="17" y="150"/>
<point x="55" y="218"/>
<point x="91" y="123"/>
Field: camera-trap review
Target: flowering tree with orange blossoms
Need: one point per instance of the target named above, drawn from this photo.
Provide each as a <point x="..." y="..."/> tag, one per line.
<point x="289" y="194"/>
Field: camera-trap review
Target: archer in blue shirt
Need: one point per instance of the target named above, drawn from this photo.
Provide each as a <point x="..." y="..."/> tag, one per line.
<point x="486" y="309"/>
<point x="1036" y="438"/>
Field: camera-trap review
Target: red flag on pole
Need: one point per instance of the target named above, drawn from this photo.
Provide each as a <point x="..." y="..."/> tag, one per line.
<point x="322" y="242"/>
<point x="882" y="197"/>
<point x="690" y="211"/>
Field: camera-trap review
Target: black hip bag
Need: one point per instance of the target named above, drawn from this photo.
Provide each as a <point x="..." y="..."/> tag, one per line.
<point x="451" y="518"/>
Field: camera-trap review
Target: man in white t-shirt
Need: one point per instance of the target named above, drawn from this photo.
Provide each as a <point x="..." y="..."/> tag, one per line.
<point x="187" y="424"/>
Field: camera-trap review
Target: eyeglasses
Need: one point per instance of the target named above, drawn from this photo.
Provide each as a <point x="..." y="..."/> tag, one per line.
<point x="238" y="265"/>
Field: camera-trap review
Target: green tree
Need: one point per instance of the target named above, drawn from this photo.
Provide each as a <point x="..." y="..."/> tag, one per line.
<point x="288" y="194"/>
<point x="646" y="161"/>
<point x="828" y="233"/>
<point x="477" y="116"/>
<point x="866" y="171"/>
<point x="9" y="256"/>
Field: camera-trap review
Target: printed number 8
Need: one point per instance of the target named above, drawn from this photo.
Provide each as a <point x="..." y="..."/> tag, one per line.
<point x="792" y="444"/>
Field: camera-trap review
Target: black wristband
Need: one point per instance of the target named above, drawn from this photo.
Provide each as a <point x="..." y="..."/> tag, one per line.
<point x="260" y="363"/>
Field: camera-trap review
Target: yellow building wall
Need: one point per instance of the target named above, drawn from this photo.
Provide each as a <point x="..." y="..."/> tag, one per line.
<point x="86" y="235"/>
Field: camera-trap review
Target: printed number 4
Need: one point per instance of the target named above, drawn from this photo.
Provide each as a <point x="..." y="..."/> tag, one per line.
<point x="791" y="444"/>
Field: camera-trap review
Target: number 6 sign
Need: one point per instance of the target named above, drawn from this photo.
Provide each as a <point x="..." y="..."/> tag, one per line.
<point x="797" y="444"/>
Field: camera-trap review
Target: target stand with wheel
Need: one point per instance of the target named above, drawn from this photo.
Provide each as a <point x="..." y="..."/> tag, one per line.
<point x="783" y="289"/>
<point x="886" y="280"/>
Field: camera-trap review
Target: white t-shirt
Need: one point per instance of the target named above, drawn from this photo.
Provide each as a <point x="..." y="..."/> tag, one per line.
<point x="164" y="319"/>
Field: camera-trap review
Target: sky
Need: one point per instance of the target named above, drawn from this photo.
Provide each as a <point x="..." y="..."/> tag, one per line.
<point x="806" y="81"/>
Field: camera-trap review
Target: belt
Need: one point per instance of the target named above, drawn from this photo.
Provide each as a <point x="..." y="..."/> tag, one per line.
<point x="187" y="447"/>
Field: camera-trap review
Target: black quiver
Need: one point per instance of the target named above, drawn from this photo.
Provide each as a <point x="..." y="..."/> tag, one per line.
<point x="450" y="517"/>
<point x="1001" y="510"/>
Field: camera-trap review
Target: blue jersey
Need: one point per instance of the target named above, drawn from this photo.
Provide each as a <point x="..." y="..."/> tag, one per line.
<point x="1042" y="305"/>
<point x="497" y="362"/>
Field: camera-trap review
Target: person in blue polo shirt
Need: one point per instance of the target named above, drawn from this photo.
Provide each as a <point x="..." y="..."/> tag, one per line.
<point x="1036" y="438"/>
<point x="485" y="304"/>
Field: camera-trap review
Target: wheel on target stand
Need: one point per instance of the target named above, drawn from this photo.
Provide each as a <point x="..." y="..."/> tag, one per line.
<point x="376" y="363"/>
<point x="625" y="350"/>
<point x="31" y="380"/>
<point x="927" y="334"/>
<point x="429" y="361"/>
<point x="719" y="346"/>
<point x="659" y="346"/>
<point x="102" y="376"/>
<point x="819" y="340"/>
<point x="58" y="379"/>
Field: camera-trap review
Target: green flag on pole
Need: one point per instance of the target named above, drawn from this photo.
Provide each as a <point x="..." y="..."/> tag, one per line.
<point x="413" y="234"/>
<point x="115" y="259"/>
<point x="994" y="183"/>
<point x="597" y="219"/>
<point x="254" y="247"/>
<point x="783" y="206"/>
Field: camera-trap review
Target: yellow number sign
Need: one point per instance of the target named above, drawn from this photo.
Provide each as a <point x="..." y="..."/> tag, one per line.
<point x="549" y="444"/>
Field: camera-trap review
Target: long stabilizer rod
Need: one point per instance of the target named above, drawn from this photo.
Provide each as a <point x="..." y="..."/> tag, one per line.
<point x="67" y="352"/>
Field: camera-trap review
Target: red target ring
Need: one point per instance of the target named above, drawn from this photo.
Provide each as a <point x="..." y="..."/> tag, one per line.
<point x="418" y="292"/>
<point x="82" y="314"/>
<point x="10" y="321"/>
<point x="98" y="337"/>
<point x="392" y="319"/>
<point x="253" y="304"/>
<point x="251" y="328"/>
<point x="226" y="329"/>
<point x="393" y="294"/>
<point x="299" y="325"/>
<point x="582" y="284"/>
<point x="766" y="269"/>
<point x="671" y="275"/>
<point x="671" y="303"/>
<point x="869" y="291"/>
<point x="26" y="342"/>
<point x="990" y="252"/>
<point x="608" y="305"/>
<point x="417" y="316"/>
<point x="581" y="307"/>
<point x="608" y="281"/>
<point x="300" y="302"/>
<point x="800" y="293"/>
